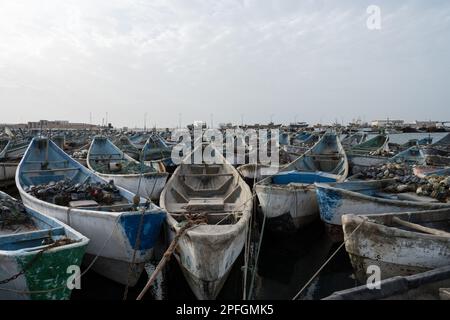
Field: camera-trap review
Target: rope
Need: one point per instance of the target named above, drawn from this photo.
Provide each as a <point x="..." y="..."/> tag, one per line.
<point x="249" y="235"/>
<point x="191" y="223"/>
<point x="328" y="260"/>
<point x="252" y="283"/>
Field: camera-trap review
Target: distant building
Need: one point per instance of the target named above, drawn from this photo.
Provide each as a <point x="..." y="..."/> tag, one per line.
<point x="387" y="123"/>
<point x="59" y="124"/>
<point x="427" y="124"/>
<point x="295" y="126"/>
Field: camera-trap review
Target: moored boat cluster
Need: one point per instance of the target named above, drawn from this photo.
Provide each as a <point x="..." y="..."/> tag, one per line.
<point x="115" y="205"/>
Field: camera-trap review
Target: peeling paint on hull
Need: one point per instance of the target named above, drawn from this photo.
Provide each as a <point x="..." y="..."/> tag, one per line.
<point x="335" y="201"/>
<point x="396" y="251"/>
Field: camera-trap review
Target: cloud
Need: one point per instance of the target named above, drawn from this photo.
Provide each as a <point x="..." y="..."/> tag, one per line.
<point x="316" y="59"/>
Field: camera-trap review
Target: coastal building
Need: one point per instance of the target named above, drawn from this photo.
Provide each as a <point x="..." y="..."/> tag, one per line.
<point x="387" y="123"/>
<point x="59" y="124"/>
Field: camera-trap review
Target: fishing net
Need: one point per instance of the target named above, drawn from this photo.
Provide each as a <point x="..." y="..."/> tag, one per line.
<point x="13" y="213"/>
<point x="63" y="192"/>
<point x="120" y="167"/>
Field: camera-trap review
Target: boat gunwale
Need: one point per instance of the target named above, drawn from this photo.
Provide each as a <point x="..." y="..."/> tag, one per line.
<point x="354" y="194"/>
<point x="391" y="231"/>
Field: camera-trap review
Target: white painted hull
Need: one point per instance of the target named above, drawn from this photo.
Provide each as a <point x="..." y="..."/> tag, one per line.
<point x="203" y="290"/>
<point x="107" y="238"/>
<point x="206" y="257"/>
<point x="397" y="252"/>
<point x="332" y="208"/>
<point x="252" y="172"/>
<point x="297" y="201"/>
<point x="206" y="252"/>
<point x="149" y="186"/>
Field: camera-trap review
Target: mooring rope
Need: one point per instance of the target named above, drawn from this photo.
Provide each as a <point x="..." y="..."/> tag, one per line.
<point x="191" y="223"/>
<point x="328" y="260"/>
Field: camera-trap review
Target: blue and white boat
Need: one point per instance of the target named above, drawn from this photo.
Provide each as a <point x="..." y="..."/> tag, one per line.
<point x="288" y="198"/>
<point x="411" y="156"/>
<point x="365" y="198"/>
<point x="111" y="163"/>
<point x="39" y="250"/>
<point x="115" y="229"/>
<point x="156" y="149"/>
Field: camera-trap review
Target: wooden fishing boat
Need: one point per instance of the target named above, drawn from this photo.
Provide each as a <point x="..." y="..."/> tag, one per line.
<point x="368" y="153"/>
<point x="297" y="150"/>
<point x="253" y="173"/>
<point x="354" y="139"/>
<point x="15" y="149"/>
<point x="112" y="226"/>
<point x="368" y="197"/>
<point x="218" y="195"/>
<point x="411" y="156"/>
<point x="38" y="249"/>
<point x="110" y="163"/>
<point x="400" y="244"/>
<point x="301" y="137"/>
<point x="443" y="144"/>
<point x="288" y="199"/>
<point x="139" y="140"/>
<point x="126" y="146"/>
<point x="8" y="166"/>
<point x="428" y="285"/>
<point x="157" y="150"/>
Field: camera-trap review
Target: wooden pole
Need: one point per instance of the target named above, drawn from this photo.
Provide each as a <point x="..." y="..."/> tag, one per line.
<point x="165" y="259"/>
<point x="420" y="228"/>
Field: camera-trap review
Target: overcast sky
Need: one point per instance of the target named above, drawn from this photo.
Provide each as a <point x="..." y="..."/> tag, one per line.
<point x="288" y="59"/>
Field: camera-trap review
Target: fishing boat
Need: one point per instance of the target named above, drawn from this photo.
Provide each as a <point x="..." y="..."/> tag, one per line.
<point x="411" y="156"/>
<point x="256" y="172"/>
<point x="15" y="149"/>
<point x="139" y="140"/>
<point x="111" y="163"/>
<point x="39" y="250"/>
<point x="157" y="150"/>
<point x="301" y="137"/>
<point x="126" y="146"/>
<point x="442" y="144"/>
<point x="354" y="139"/>
<point x="297" y="150"/>
<point x="400" y="244"/>
<point x="368" y="153"/>
<point x="218" y="195"/>
<point x="8" y="162"/>
<point x="428" y="285"/>
<point x="114" y="219"/>
<point x="288" y="199"/>
<point x="367" y="197"/>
